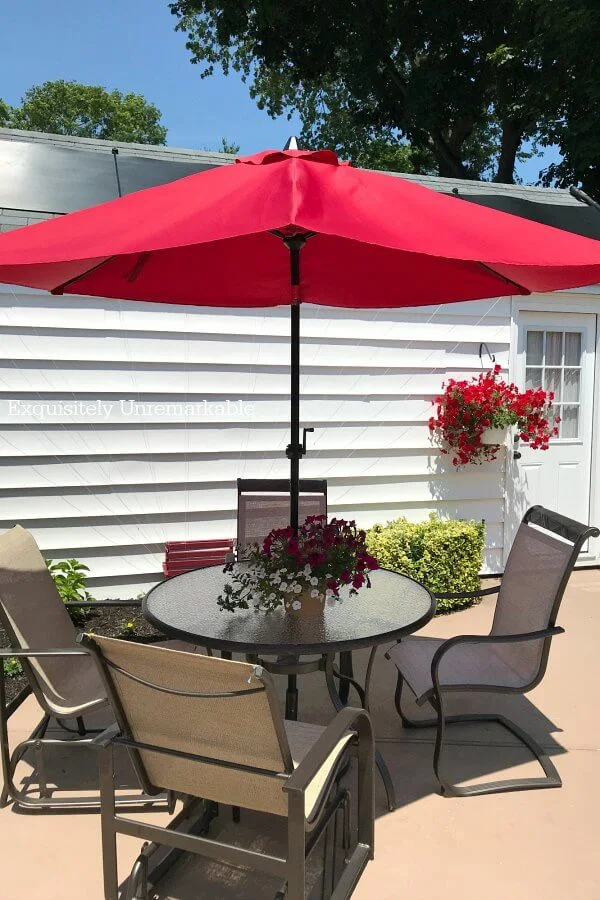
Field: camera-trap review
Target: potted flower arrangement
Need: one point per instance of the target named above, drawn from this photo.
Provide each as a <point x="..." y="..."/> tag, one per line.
<point x="473" y="417"/>
<point x="299" y="572"/>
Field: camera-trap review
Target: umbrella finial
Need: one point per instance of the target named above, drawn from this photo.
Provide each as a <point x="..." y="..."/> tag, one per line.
<point x="292" y="143"/>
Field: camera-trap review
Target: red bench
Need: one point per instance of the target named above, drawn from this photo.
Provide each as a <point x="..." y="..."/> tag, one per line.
<point x="181" y="556"/>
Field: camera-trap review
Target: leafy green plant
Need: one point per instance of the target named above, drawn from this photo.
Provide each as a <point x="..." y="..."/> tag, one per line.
<point x="12" y="667"/>
<point x="444" y="554"/>
<point x="70" y="578"/>
<point x="128" y="627"/>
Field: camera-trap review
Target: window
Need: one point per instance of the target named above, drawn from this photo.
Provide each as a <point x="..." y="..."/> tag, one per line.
<point x="553" y="362"/>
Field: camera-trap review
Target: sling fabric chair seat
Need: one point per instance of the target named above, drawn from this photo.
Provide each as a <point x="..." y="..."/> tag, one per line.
<point x="66" y="683"/>
<point x="470" y="664"/>
<point x="512" y="658"/>
<point x="302" y="737"/>
<point x="211" y="730"/>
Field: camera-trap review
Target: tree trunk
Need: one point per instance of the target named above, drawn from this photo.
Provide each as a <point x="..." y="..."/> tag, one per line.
<point x="512" y="135"/>
<point x="449" y="163"/>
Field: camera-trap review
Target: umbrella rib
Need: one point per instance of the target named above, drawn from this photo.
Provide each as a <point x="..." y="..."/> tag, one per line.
<point x="504" y="278"/>
<point x="60" y="288"/>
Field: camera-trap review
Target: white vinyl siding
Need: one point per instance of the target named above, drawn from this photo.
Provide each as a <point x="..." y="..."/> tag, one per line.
<point x="111" y="488"/>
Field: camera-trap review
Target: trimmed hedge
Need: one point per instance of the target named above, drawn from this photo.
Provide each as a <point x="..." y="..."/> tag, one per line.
<point x="444" y="554"/>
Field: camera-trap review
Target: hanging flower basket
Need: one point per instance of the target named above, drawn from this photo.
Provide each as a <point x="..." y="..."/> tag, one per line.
<point x="494" y="437"/>
<point x="300" y="572"/>
<point x="473" y="417"/>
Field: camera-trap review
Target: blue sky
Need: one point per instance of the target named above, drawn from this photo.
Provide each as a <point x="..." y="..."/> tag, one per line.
<point x="131" y="45"/>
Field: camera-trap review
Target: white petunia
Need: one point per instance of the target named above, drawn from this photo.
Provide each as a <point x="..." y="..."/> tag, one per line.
<point x="283" y="586"/>
<point x="314" y="581"/>
<point x="314" y="593"/>
<point x="296" y="605"/>
<point x="297" y="588"/>
<point x="307" y="570"/>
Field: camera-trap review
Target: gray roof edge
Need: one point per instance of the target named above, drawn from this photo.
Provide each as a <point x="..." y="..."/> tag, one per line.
<point x="152" y="151"/>
<point x="552" y="196"/>
<point x="465" y="186"/>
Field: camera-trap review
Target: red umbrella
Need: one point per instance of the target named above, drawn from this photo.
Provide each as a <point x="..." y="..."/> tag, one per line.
<point x="236" y="235"/>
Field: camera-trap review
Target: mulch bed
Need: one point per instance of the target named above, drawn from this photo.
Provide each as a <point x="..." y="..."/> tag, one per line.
<point x="109" y="621"/>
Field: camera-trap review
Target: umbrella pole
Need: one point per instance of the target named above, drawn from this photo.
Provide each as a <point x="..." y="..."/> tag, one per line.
<point x="294" y="449"/>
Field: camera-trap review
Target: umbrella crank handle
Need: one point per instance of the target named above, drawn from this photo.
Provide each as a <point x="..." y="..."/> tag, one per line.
<point x="305" y="431"/>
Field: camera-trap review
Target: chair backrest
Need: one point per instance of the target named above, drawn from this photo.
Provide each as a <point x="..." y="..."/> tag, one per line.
<point x="219" y="719"/>
<point x="264" y="504"/>
<point x="35" y="617"/>
<point x="538" y="568"/>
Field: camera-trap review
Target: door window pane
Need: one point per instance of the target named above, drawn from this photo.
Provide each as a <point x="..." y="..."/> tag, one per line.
<point x="569" y="426"/>
<point x="535" y="348"/>
<point x="571" y="386"/>
<point x="552" y="381"/>
<point x="572" y="348"/>
<point x="553" y="361"/>
<point x="533" y="379"/>
<point x="554" y="348"/>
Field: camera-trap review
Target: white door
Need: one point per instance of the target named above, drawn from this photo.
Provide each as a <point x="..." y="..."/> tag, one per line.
<point x="555" y="351"/>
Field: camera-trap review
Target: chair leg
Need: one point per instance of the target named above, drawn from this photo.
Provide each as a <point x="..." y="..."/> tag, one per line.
<point x="296" y="849"/>
<point x="138" y="880"/>
<point x="328" y="863"/>
<point x="448" y="788"/>
<point x="107" y="824"/>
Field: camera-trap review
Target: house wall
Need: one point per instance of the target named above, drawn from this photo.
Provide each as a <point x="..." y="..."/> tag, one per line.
<point x="110" y="489"/>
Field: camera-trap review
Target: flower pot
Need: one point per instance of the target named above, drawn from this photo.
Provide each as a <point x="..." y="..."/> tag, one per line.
<point x="494" y="436"/>
<point x="309" y="605"/>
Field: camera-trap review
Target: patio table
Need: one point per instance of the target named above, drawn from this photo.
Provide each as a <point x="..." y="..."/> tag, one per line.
<point x="394" y="606"/>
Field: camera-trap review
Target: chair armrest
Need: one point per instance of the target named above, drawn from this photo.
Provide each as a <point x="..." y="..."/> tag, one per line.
<point x="467" y="595"/>
<point x="99" y="604"/>
<point x="348" y="719"/>
<point x="488" y="639"/>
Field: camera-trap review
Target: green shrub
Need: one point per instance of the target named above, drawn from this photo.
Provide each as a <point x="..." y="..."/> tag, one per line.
<point x="444" y="554"/>
<point x="70" y="578"/>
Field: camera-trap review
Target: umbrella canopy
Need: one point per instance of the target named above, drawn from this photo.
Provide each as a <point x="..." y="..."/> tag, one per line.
<point x="292" y="226"/>
<point x="377" y="241"/>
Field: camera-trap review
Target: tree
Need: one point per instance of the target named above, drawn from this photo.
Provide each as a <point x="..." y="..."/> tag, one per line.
<point x="465" y="83"/>
<point x="573" y="33"/>
<point x="67" y="107"/>
<point x="229" y="147"/>
<point x="4" y="113"/>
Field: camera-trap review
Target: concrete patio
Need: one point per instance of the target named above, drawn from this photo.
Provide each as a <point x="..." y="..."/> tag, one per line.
<point x="519" y="845"/>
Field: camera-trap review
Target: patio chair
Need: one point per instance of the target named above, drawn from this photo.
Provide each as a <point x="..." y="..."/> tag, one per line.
<point x="62" y="676"/>
<point x="512" y="658"/>
<point x="210" y="728"/>
<point x="264" y="504"/>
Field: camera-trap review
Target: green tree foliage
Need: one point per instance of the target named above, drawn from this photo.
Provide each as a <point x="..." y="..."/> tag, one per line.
<point x="229" y="147"/>
<point x="85" y="110"/>
<point x="572" y="31"/>
<point x="4" y="113"/>
<point x="462" y="85"/>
